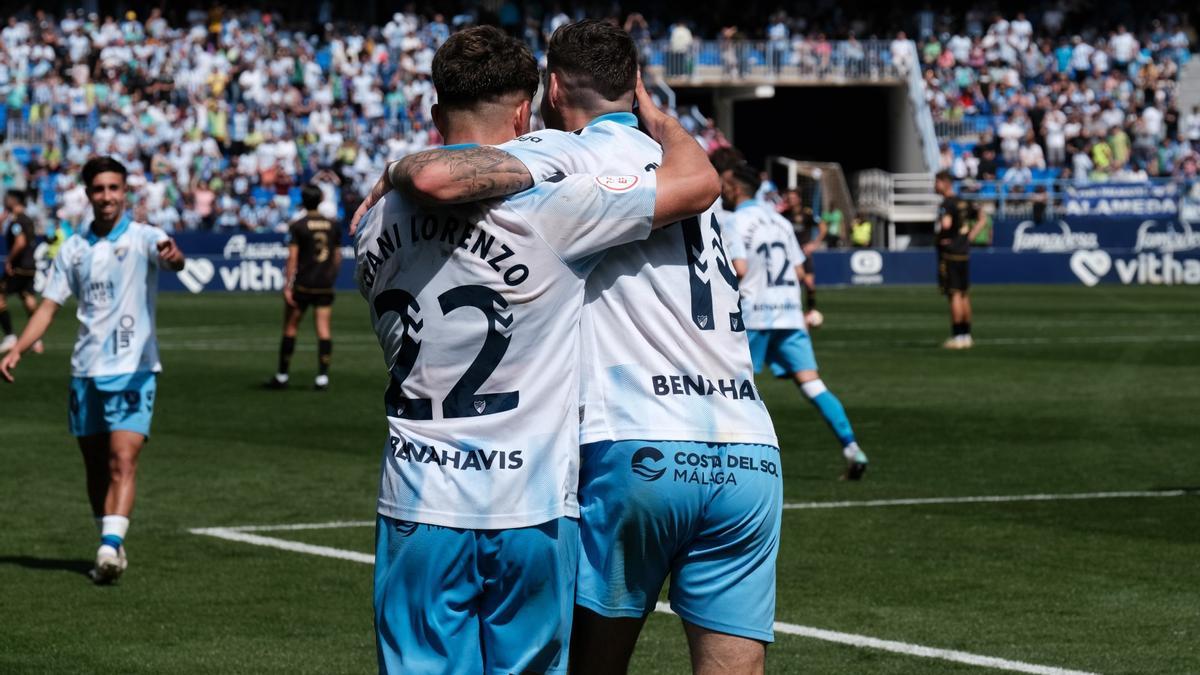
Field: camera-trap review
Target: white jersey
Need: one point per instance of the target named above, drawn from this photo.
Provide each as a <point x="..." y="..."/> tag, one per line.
<point x="664" y="345"/>
<point x="115" y="279"/>
<point x="771" y="287"/>
<point x="477" y="309"/>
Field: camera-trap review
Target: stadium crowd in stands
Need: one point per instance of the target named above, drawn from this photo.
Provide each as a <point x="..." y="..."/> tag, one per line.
<point x="222" y="117"/>
<point x="1094" y="105"/>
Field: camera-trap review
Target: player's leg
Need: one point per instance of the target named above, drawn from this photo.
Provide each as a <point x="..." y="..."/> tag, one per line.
<point x="7" y="337"/>
<point x="959" y="323"/>
<point x="723" y="581"/>
<point x="322" y="317"/>
<point x="427" y="590"/>
<point x="94" y="449"/>
<point x="287" y="345"/>
<point x="29" y="300"/>
<point x="812" y="315"/>
<point x="124" y="447"/>
<point x="529" y="592"/>
<point x="602" y="645"/>
<point x="636" y="509"/>
<point x="715" y="653"/>
<point x="792" y="352"/>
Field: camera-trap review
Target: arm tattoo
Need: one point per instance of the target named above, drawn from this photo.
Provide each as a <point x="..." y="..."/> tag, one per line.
<point x="469" y="174"/>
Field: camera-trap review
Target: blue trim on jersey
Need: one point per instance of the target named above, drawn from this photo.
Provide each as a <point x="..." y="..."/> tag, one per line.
<point x="113" y="234"/>
<point x="626" y="118"/>
<point x="460" y="146"/>
<point x="746" y="204"/>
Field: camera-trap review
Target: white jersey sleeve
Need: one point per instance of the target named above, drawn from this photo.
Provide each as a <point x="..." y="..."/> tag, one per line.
<point x="664" y="345"/>
<point x="59" y="284"/>
<point x="477" y="309"/>
<point x="581" y="215"/>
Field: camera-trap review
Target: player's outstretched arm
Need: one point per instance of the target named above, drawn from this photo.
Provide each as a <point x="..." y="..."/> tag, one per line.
<point x="34" y="330"/>
<point x="687" y="182"/>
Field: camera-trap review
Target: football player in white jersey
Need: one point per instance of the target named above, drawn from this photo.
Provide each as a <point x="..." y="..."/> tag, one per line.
<point x="770" y="263"/>
<point x="680" y="472"/>
<point x="111" y="267"/>
<point x="477" y="308"/>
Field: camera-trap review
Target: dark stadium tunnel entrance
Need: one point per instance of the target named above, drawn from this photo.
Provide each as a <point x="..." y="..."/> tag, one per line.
<point x="860" y="127"/>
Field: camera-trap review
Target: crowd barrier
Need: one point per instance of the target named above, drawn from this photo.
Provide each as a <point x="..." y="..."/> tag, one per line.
<point x="1086" y="252"/>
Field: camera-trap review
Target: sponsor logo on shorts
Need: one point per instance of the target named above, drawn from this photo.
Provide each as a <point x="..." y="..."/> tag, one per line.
<point x="698" y="468"/>
<point x="645" y="464"/>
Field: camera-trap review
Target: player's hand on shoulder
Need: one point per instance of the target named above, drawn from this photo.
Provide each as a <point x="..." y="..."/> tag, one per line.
<point x="381" y="188"/>
<point x="653" y="118"/>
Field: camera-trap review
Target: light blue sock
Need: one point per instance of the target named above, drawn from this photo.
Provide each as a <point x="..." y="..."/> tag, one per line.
<point x="831" y="409"/>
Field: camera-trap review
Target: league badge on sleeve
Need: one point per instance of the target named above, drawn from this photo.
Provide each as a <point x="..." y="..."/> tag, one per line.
<point x="617" y="183"/>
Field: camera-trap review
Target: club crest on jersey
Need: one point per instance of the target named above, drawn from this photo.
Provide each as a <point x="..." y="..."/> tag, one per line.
<point x="702" y="320"/>
<point x="121" y="252"/>
<point x="479" y="406"/>
<point x="617" y="183"/>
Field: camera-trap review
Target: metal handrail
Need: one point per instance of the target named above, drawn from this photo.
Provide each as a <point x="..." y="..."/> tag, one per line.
<point x="771" y="61"/>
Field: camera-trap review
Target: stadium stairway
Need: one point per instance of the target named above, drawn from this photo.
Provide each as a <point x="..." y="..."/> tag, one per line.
<point x="1189" y="85"/>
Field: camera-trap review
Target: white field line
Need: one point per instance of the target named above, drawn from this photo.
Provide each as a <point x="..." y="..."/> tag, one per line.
<point x="241" y="535"/>
<point x="992" y="499"/>
<point x="286" y="545"/>
<point x="909" y="649"/>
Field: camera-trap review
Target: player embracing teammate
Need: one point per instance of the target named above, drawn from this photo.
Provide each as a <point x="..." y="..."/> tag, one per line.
<point x="679" y="470"/>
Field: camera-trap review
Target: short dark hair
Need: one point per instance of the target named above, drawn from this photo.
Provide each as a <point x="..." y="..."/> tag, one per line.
<point x="944" y="175"/>
<point x="18" y="195"/>
<point x="748" y="176"/>
<point x="311" y="196"/>
<point x="482" y="64"/>
<point x="98" y="165"/>
<point x="725" y="158"/>
<point x="595" y="54"/>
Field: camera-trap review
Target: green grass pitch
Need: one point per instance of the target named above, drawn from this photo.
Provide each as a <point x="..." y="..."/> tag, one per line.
<point x="1069" y="390"/>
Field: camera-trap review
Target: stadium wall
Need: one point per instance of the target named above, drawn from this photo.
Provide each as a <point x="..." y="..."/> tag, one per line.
<point x="1087" y="252"/>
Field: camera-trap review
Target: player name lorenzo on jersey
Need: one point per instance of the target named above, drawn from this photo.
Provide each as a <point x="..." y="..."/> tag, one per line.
<point x="664" y="347"/>
<point x="771" y="288"/>
<point x="477" y="310"/>
<point x="115" y="279"/>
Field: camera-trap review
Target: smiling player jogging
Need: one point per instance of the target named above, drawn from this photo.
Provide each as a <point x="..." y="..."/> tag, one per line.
<point x="111" y="267"/>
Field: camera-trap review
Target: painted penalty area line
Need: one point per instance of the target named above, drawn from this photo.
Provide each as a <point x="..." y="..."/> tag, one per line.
<point x="850" y="639"/>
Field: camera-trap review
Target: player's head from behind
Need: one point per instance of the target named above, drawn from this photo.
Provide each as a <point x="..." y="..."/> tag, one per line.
<point x="739" y="185"/>
<point x="591" y="70"/>
<point x="485" y="83"/>
<point x="310" y="197"/>
<point x="104" y="181"/>
<point x="943" y="183"/>
<point x="14" y="200"/>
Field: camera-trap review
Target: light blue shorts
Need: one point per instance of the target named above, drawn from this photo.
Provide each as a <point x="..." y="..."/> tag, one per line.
<point x="707" y="514"/>
<point x="786" y="351"/>
<point x="452" y="600"/>
<point x="99" y="405"/>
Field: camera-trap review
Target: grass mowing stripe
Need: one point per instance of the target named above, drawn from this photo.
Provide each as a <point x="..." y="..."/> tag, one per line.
<point x="906" y="648"/>
<point x="862" y="641"/>
<point x="992" y="499"/>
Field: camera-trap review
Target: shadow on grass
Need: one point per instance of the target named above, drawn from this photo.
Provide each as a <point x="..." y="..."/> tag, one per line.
<point x="48" y="564"/>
